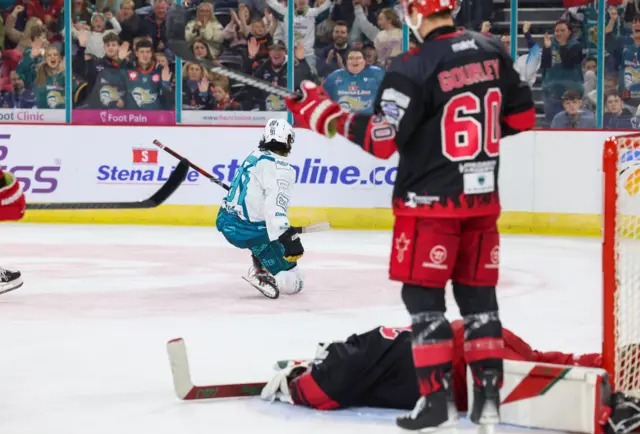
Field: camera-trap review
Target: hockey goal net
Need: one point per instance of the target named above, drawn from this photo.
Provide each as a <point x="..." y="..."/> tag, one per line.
<point x="621" y="262"/>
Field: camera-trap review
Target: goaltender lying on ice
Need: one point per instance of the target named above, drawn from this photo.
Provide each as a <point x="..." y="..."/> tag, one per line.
<point x="549" y="390"/>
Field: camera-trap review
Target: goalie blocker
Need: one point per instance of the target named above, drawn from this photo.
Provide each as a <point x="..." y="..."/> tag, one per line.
<point x="547" y="390"/>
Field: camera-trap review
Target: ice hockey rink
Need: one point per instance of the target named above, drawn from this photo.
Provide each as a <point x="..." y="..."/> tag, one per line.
<point x="84" y="340"/>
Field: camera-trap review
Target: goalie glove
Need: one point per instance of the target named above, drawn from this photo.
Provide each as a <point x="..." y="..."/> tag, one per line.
<point x="625" y="415"/>
<point x="278" y="387"/>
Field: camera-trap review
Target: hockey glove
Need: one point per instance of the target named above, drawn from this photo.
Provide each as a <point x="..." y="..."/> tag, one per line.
<point x="12" y="201"/>
<point x="315" y="110"/>
<point x="278" y="387"/>
<point x="625" y="415"/>
<point x="293" y="249"/>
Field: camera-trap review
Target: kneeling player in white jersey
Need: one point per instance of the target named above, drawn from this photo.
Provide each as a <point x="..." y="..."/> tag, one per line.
<point x="254" y="213"/>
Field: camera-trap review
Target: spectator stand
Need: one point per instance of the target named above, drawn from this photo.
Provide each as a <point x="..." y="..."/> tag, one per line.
<point x="227" y="30"/>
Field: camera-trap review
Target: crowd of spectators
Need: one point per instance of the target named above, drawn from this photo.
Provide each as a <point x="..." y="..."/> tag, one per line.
<point x="562" y="63"/>
<point x="121" y="58"/>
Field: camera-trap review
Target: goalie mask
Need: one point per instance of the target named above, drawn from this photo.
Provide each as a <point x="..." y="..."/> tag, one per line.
<point x="278" y="136"/>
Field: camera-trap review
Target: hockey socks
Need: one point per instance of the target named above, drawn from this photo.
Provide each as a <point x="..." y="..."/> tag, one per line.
<point x="483" y="344"/>
<point x="431" y="335"/>
<point x="432" y="346"/>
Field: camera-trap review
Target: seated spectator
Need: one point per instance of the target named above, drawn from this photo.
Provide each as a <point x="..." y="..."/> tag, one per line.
<point x="33" y="56"/>
<point x="615" y="114"/>
<point x="9" y="61"/>
<point x="201" y="50"/>
<point x="628" y="66"/>
<point x="49" y="12"/>
<point x="81" y="15"/>
<point x="274" y="70"/>
<point x="15" y="36"/>
<point x="262" y="38"/>
<point x="206" y="27"/>
<point x="387" y="40"/>
<point x="236" y="28"/>
<point x="333" y="55"/>
<point x="197" y="91"/>
<point x="49" y="82"/>
<point x="129" y="22"/>
<point x="95" y="37"/>
<point x="324" y="29"/>
<point x="528" y="64"/>
<point x="589" y="71"/>
<point x="19" y="97"/>
<point x="148" y="86"/>
<point x="370" y="54"/>
<point x="573" y="116"/>
<point x="155" y="26"/>
<point x="355" y="87"/>
<point x="561" y="68"/>
<point x="103" y="75"/>
<point x="223" y="98"/>
<point x="163" y="63"/>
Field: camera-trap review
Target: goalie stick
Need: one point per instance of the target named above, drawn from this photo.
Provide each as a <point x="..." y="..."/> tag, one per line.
<point x="186" y="390"/>
<point x="315" y="227"/>
<point x="168" y="188"/>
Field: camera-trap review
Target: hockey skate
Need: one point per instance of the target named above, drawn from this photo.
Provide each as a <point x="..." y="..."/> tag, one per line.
<point x="262" y="280"/>
<point x="486" y="402"/>
<point x="434" y="413"/>
<point x="9" y="280"/>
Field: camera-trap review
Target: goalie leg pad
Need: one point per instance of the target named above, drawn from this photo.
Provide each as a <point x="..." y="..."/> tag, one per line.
<point x="553" y="397"/>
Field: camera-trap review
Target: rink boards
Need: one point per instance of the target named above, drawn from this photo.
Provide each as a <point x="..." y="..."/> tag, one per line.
<point x="550" y="181"/>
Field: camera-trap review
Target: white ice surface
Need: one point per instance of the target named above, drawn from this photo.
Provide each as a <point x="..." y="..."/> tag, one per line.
<point x="83" y="341"/>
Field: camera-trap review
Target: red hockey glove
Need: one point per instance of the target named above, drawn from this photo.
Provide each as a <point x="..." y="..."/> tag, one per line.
<point x="315" y="110"/>
<point x="12" y="202"/>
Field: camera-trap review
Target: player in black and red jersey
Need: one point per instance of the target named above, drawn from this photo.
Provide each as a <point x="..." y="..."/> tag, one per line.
<point x="444" y="107"/>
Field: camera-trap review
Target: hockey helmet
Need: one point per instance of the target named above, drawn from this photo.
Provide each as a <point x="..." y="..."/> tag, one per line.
<point x="424" y="8"/>
<point x="277" y="136"/>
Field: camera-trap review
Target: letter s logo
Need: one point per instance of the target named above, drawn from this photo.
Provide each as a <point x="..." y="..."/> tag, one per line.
<point x="25" y="181"/>
<point x="51" y="181"/>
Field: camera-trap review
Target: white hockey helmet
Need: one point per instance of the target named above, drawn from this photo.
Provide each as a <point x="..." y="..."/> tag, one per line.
<point x="278" y="136"/>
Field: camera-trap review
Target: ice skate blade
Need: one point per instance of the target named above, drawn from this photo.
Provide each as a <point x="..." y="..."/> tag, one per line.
<point x="486" y="429"/>
<point x="445" y="428"/>
<point x="276" y="292"/>
<point x="19" y="283"/>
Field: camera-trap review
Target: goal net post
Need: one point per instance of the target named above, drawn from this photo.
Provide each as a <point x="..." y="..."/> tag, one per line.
<point x="621" y="262"/>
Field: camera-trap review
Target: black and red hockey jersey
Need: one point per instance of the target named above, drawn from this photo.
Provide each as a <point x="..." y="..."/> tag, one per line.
<point x="375" y="369"/>
<point x="444" y="107"/>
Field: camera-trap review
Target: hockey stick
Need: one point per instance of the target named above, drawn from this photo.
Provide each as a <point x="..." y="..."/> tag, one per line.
<point x="193" y="166"/>
<point x="168" y="188"/>
<point x="176" y="24"/>
<point x="315" y="227"/>
<point x="186" y="390"/>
